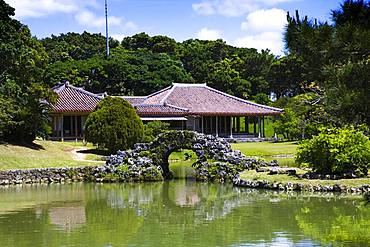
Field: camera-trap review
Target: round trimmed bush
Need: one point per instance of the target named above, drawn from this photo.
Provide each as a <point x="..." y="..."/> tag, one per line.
<point x="336" y="151"/>
<point x="114" y="125"/>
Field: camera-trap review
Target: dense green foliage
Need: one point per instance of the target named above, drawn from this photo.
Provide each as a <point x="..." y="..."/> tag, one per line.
<point x="334" y="62"/>
<point x="142" y="64"/>
<point x="323" y="79"/>
<point x="302" y="118"/>
<point x="153" y="129"/>
<point x="23" y="60"/>
<point x="75" y="46"/>
<point x="336" y="150"/>
<point x="114" y="125"/>
<point x="124" y="73"/>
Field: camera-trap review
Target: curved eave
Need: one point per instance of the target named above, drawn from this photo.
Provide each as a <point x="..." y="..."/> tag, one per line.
<point x="236" y="114"/>
<point x="71" y="111"/>
<point x="174" y="114"/>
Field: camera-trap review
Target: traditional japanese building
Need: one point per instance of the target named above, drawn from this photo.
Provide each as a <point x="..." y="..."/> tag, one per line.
<point x="69" y="113"/>
<point x="204" y="109"/>
<point x="196" y="107"/>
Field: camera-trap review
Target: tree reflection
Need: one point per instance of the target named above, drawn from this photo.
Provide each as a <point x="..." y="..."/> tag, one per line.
<point x="177" y="213"/>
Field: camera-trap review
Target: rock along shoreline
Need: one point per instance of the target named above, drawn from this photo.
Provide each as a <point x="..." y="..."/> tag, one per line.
<point x="89" y="174"/>
<point x="295" y="186"/>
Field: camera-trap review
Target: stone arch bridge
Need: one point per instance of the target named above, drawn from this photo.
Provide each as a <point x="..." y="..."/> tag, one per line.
<point x="149" y="161"/>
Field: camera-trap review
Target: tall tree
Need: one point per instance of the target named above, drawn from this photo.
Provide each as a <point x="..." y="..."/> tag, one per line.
<point x="287" y="76"/>
<point x="75" y="46"/>
<point x="124" y="73"/>
<point x="23" y="116"/>
<point x="336" y="57"/>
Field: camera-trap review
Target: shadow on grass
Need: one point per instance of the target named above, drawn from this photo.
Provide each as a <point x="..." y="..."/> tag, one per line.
<point x="31" y="145"/>
<point x="97" y="151"/>
<point x="367" y="198"/>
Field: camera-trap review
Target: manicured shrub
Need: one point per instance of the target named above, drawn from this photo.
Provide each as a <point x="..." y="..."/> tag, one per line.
<point x="153" y="129"/>
<point x="114" y="125"/>
<point x="336" y="151"/>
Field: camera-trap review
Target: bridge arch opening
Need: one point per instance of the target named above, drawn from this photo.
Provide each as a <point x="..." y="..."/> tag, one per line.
<point x="180" y="163"/>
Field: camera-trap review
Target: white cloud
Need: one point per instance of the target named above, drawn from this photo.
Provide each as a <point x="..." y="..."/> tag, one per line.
<point x="89" y="19"/>
<point x="41" y="8"/>
<point x="236" y="7"/>
<point x="264" y="29"/>
<point x="204" y="8"/>
<point x="265" y="20"/>
<point x="262" y="41"/>
<point x="81" y="10"/>
<point x="232" y="7"/>
<point x="209" y="34"/>
<point x="130" y="25"/>
<point x="118" y="37"/>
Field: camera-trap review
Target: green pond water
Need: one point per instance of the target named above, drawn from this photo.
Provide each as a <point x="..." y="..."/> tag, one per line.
<point x="177" y="213"/>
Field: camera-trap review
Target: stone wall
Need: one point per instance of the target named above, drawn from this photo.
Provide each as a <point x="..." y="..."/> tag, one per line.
<point x="47" y="175"/>
<point x="289" y="186"/>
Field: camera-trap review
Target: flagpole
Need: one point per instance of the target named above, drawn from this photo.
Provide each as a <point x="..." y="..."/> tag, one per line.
<point x="106" y="28"/>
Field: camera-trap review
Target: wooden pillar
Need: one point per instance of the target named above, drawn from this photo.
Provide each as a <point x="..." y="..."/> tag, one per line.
<point x="259" y="127"/>
<point x="231" y="127"/>
<point x="83" y="127"/>
<point x="70" y="125"/>
<point x="216" y="126"/>
<point x="62" y="130"/>
<point x="263" y="127"/>
<point x="202" y="125"/>
<point x="246" y="123"/>
<point x="225" y="125"/>
<point x="76" y="127"/>
<point x="254" y="126"/>
<point x="238" y="124"/>
<point x="206" y="120"/>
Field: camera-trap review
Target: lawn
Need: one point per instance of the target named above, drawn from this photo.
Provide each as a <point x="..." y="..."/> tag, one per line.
<point x="45" y="154"/>
<point x="266" y="148"/>
<point x="283" y="152"/>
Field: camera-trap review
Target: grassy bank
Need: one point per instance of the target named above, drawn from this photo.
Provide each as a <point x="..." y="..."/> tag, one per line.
<point x="266" y="148"/>
<point x="45" y="154"/>
<point x="283" y="152"/>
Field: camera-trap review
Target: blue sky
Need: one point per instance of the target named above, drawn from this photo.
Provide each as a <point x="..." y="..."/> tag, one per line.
<point x="244" y="23"/>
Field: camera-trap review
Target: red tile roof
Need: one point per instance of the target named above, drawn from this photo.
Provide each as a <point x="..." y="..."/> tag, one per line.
<point x="135" y="100"/>
<point x="74" y="99"/>
<point x="199" y="99"/>
<point x="162" y="110"/>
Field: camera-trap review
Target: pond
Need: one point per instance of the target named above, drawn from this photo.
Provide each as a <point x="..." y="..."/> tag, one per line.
<point x="177" y="213"/>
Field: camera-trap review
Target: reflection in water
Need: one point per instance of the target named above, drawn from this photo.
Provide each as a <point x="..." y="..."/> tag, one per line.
<point x="177" y="213"/>
<point x="186" y="195"/>
<point x="69" y="216"/>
